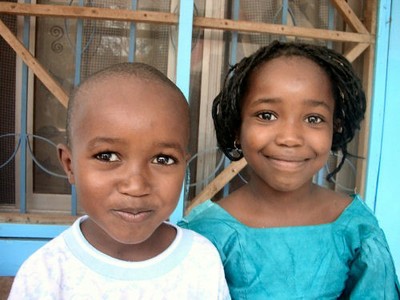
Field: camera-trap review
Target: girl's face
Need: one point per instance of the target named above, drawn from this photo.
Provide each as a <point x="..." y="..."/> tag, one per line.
<point x="287" y="123"/>
<point x="128" y="157"/>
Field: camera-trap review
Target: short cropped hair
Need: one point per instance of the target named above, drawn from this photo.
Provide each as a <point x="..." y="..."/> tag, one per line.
<point x="128" y="69"/>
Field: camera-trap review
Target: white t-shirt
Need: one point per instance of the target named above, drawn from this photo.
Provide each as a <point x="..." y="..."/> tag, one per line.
<point x="68" y="267"/>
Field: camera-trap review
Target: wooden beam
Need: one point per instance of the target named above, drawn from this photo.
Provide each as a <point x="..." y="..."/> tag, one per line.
<point x="33" y="64"/>
<point x="257" y="27"/>
<point x="172" y="19"/>
<point x="37" y="218"/>
<point x="356" y="51"/>
<point x="370" y="15"/>
<point x="74" y="12"/>
<point x="218" y="183"/>
<point x="349" y="16"/>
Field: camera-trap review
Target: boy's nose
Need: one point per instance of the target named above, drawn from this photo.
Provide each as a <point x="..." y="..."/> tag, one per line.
<point x="134" y="184"/>
<point x="290" y="134"/>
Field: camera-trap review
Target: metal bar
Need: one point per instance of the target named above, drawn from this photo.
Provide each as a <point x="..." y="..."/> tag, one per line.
<point x="285" y="10"/>
<point x="331" y="22"/>
<point x="24" y="116"/>
<point x="77" y="80"/>
<point x="185" y="32"/>
<point x="132" y="36"/>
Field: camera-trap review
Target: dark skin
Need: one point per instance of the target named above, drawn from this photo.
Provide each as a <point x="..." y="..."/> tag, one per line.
<point x="286" y="134"/>
<point x="127" y="159"/>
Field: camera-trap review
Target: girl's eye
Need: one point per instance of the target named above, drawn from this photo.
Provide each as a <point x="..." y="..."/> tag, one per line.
<point x="267" y="116"/>
<point x="314" y="120"/>
<point x="107" y="156"/>
<point x="163" y="160"/>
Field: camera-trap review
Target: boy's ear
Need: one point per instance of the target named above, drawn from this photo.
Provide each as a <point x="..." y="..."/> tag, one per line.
<point x="187" y="157"/>
<point x="65" y="158"/>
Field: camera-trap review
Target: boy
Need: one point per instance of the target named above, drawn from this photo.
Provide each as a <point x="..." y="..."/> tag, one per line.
<point x="126" y="153"/>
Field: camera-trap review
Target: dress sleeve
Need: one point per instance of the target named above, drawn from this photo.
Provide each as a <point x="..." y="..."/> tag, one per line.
<point x="372" y="273"/>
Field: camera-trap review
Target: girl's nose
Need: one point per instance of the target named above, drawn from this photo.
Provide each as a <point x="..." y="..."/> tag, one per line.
<point x="134" y="183"/>
<point x="290" y="134"/>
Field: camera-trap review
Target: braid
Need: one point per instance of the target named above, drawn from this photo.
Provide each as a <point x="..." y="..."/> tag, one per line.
<point x="350" y="103"/>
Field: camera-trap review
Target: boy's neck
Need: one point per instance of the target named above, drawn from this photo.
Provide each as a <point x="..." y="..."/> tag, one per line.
<point x="157" y="243"/>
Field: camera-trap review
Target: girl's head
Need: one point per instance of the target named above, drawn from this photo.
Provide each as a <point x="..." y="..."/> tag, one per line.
<point x="346" y="88"/>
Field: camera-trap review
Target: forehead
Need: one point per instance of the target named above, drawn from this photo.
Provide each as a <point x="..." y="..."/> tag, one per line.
<point x="289" y="69"/>
<point x="293" y="78"/>
<point x="293" y="62"/>
<point x="131" y="98"/>
<point x="129" y="90"/>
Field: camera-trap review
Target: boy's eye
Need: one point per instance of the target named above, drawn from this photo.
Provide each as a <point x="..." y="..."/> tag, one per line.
<point x="163" y="160"/>
<point x="267" y="116"/>
<point x="107" y="156"/>
<point x="314" y="120"/>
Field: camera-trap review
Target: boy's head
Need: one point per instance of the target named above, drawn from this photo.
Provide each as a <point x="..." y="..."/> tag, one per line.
<point x="128" y="133"/>
<point x="123" y="70"/>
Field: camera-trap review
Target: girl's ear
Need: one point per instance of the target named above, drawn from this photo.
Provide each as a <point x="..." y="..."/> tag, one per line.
<point x="65" y="158"/>
<point x="337" y="126"/>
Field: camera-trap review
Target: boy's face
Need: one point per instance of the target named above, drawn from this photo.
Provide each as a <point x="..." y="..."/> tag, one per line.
<point x="128" y="155"/>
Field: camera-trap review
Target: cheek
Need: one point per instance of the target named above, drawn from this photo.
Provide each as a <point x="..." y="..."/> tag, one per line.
<point x="253" y="137"/>
<point x="170" y="186"/>
<point x="323" y="144"/>
<point x="91" y="184"/>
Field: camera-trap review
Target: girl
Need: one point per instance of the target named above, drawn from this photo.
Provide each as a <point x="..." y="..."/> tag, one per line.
<point x="281" y="236"/>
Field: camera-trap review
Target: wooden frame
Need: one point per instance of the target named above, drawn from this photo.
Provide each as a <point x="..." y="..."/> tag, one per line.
<point x="363" y="36"/>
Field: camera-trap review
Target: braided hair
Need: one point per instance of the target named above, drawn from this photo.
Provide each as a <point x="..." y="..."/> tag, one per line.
<point x="350" y="103"/>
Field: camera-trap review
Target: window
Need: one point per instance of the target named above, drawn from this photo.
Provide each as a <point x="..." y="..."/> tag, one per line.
<point x="71" y="49"/>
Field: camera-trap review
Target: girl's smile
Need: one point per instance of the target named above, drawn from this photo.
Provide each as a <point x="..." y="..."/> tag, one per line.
<point x="287" y="122"/>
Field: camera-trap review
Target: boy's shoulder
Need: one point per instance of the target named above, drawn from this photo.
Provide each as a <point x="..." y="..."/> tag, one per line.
<point x="51" y="252"/>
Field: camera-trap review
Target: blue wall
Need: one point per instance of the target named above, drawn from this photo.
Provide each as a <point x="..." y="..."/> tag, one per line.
<point x="384" y="148"/>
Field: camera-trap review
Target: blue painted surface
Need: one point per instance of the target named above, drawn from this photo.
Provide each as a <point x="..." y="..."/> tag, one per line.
<point x="18" y="241"/>
<point x="385" y="148"/>
<point x="23" y="122"/>
<point x="183" y="72"/>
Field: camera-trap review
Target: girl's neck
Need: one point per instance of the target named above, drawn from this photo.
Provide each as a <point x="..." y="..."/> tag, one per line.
<point x="266" y="207"/>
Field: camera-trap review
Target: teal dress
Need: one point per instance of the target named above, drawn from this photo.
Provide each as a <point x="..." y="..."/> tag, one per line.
<point x="346" y="259"/>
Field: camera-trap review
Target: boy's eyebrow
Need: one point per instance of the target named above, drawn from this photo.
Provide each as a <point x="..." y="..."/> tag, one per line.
<point x="107" y="140"/>
<point x="172" y="145"/>
<point x="93" y="143"/>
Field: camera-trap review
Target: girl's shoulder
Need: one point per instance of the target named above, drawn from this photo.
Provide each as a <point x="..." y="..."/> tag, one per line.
<point x="208" y="211"/>
<point x="357" y="212"/>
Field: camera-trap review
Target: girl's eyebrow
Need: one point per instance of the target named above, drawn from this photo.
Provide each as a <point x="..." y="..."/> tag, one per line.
<point x="310" y="102"/>
<point x="318" y="103"/>
<point x="266" y="100"/>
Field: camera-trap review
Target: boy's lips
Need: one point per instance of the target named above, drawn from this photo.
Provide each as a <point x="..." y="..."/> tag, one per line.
<point x="134" y="215"/>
